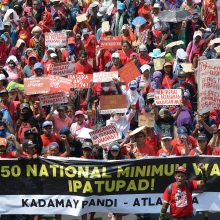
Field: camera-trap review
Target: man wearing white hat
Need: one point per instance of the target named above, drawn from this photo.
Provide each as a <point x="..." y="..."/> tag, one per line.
<point x="114" y="64"/>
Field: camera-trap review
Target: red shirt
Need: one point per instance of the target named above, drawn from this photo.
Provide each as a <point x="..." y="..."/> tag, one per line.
<point x="47" y="140"/>
<point x="10" y="154"/>
<point x="180" y="199"/>
<point x="197" y="151"/>
<point x="173" y="151"/>
<point x="87" y="69"/>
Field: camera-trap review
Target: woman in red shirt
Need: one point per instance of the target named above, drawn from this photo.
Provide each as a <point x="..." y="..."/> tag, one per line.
<point x="126" y="52"/>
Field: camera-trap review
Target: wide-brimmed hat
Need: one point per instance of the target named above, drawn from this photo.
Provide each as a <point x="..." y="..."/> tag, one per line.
<point x="156" y="53"/>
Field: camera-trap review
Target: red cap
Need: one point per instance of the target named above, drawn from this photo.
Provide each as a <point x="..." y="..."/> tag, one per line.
<point x="181" y="169"/>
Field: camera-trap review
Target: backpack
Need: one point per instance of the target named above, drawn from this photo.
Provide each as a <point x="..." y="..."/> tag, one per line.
<point x="187" y="184"/>
<point x="23" y="127"/>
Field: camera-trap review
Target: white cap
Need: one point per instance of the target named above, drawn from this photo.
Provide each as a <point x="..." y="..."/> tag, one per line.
<point x="142" y="47"/>
<point x="181" y="54"/>
<point x="156" y="5"/>
<point x="53" y="55"/>
<point x="116" y="55"/>
<point x="197" y="33"/>
<point x="2" y="77"/>
<point x="145" y="67"/>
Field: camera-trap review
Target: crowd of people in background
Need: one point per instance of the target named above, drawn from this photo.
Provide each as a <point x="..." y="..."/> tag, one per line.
<point x="29" y="130"/>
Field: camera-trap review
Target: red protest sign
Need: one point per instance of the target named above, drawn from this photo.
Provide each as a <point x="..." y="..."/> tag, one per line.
<point x="113" y="103"/>
<point x="55" y="98"/>
<point x="129" y="72"/>
<point x="63" y="69"/>
<point x="38" y="85"/>
<point x="55" y="39"/>
<point x="104" y="135"/>
<point x="80" y="80"/>
<point x="111" y="42"/>
<point x="168" y="97"/>
<point x="59" y="84"/>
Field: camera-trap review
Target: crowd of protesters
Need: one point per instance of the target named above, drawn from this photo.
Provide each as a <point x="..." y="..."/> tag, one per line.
<point x="29" y="130"/>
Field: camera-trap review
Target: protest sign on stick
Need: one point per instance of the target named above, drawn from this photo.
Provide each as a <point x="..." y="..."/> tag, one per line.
<point x="63" y="69"/>
<point x="208" y="85"/>
<point x="111" y="42"/>
<point x="168" y="97"/>
<point x="81" y="80"/>
<point x="104" y="76"/>
<point x="128" y="72"/>
<point x="55" y="39"/>
<point x="113" y="103"/>
<point x="54" y="98"/>
<point x="104" y="135"/>
<point x="38" y="85"/>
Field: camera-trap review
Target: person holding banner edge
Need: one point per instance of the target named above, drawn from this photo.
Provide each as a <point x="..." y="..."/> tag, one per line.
<point x="179" y="195"/>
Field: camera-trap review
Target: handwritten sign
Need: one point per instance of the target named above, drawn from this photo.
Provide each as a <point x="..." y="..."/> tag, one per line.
<point x="113" y="103"/>
<point x="146" y="119"/>
<point x="55" y="39"/>
<point x="60" y="84"/>
<point x="63" y="69"/>
<point x="111" y="42"/>
<point x="129" y="72"/>
<point x="208" y="85"/>
<point x="81" y="18"/>
<point x="55" y="98"/>
<point x="81" y="80"/>
<point x="104" y="135"/>
<point x="158" y="63"/>
<point x="104" y="76"/>
<point x="168" y="97"/>
<point x="38" y="85"/>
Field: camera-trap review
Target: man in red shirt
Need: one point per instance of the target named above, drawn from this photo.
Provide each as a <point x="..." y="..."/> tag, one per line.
<point x="82" y="65"/>
<point x="179" y="195"/>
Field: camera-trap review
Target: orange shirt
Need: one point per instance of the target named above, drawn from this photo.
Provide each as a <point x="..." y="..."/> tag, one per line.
<point x="87" y="69"/>
<point x="47" y="140"/>
<point x="149" y="148"/>
<point x="173" y="151"/>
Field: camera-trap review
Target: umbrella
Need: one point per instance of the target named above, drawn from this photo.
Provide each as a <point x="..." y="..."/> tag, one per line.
<point x="138" y="21"/>
<point x="174" y="16"/>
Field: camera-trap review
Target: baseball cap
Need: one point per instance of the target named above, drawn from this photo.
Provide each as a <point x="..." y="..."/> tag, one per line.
<point x="28" y="143"/>
<point x="53" y="55"/>
<point x="142" y="47"/>
<point x="57" y="18"/>
<point x="166" y="135"/>
<point x="65" y="130"/>
<point x="182" y="131"/>
<point x="47" y="123"/>
<point x="115" y="146"/>
<point x="181" y="54"/>
<point x="53" y="144"/>
<point x="145" y="67"/>
<point x="3" y="91"/>
<point x="38" y="66"/>
<point x="163" y="112"/>
<point x="202" y="137"/>
<point x="61" y="107"/>
<point x="116" y="55"/>
<point x="150" y="95"/>
<point x="168" y="64"/>
<point x="132" y="84"/>
<point x="3" y="142"/>
<point x="79" y="113"/>
<point x="24" y="105"/>
<point x="156" y="5"/>
<point x="181" y="169"/>
<point x="2" y="77"/>
<point x="87" y="145"/>
<point x="120" y="6"/>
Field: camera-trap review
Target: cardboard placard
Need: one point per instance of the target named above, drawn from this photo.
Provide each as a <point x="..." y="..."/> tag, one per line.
<point x="175" y="43"/>
<point x="81" y="80"/>
<point x="111" y="42"/>
<point x="128" y="72"/>
<point x="63" y="69"/>
<point x="105" y="26"/>
<point x="147" y="119"/>
<point x="158" y="63"/>
<point x="208" y="85"/>
<point x="81" y="18"/>
<point x="55" y="98"/>
<point x="168" y="97"/>
<point x="104" y="76"/>
<point x="60" y="84"/>
<point x="38" y="85"/>
<point x="104" y="135"/>
<point x="55" y="39"/>
<point x="113" y="103"/>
